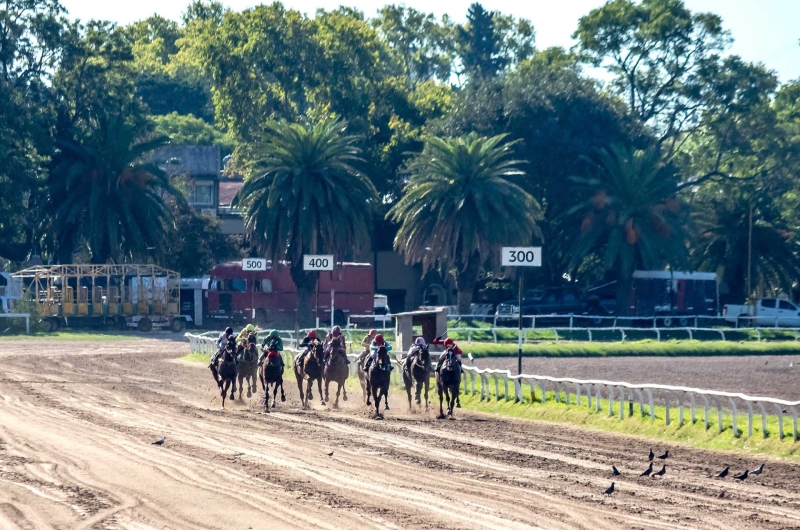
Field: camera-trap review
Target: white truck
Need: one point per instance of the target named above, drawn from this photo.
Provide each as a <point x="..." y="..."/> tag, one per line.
<point x="772" y="312"/>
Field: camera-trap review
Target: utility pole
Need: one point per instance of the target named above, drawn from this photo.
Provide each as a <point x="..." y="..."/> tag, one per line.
<point x="750" y="253"/>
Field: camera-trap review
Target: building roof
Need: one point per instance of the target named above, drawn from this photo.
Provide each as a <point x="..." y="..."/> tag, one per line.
<point x="228" y="190"/>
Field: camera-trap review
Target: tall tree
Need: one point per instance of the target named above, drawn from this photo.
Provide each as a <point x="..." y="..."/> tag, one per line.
<point x="658" y="52"/>
<point x="101" y="193"/>
<point x="632" y="218"/>
<point x="461" y="205"/>
<point x="31" y="42"/>
<point x="303" y="195"/>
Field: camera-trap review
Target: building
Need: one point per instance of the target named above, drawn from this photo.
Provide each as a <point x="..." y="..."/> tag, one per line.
<point x="201" y="166"/>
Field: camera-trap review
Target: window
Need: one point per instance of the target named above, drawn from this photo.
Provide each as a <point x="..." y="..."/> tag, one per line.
<point x="768" y="303"/>
<point x="202" y="193"/>
<point x="263" y="286"/>
<point x="228" y="285"/>
<point x="786" y="305"/>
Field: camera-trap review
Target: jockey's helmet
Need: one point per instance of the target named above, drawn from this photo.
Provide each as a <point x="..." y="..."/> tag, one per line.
<point x="420" y="342"/>
<point x="250" y="327"/>
<point x="336" y="331"/>
<point x="312" y="334"/>
<point x="378" y="339"/>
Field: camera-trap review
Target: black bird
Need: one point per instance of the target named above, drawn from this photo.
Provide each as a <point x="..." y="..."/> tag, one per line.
<point x="647" y="471"/>
<point x="662" y="472"/>
<point x="724" y="472"/>
<point x="610" y="490"/>
<point x="160" y="442"/>
<point x="664" y="456"/>
<point x="330" y="454"/>
<point x="652" y="454"/>
<point x="721" y="494"/>
<point x="758" y="470"/>
<point x="615" y="471"/>
<point x="742" y="476"/>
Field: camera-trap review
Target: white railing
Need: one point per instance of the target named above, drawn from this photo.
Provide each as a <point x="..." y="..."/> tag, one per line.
<point x="630" y="393"/>
<point x="625" y="392"/>
<point x="26" y="316"/>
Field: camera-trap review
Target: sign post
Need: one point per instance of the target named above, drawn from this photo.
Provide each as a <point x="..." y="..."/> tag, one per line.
<point x="253" y="265"/>
<point x="521" y="257"/>
<point x="314" y="262"/>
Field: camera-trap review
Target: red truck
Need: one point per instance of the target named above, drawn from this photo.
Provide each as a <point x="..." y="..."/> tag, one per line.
<point x="270" y="296"/>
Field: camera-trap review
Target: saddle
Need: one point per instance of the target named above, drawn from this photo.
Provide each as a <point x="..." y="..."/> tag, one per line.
<point x="273" y="362"/>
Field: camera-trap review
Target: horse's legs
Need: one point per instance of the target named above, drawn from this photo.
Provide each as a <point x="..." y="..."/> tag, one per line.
<point x="255" y="386"/>
<point x="385" y="392"/>
<point x="300" y="389"/>
<point x="327" y="385"/>
<point x="417" y="390"/>
<point x="241" y="378"/>
<point x="408" y="392"/>
<point x="283" y="396"/>
<point x="427" y="384"/>
<point x="275" y="394"/>
<point x="441" y="410"/>
<point x="368" y="390"/>
<point x="266" y="400"/>
<point x="344" y="390"/>
<point x="224" y="392"/>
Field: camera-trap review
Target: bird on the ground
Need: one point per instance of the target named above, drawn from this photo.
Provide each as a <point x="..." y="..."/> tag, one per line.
<point x="664" y="456"/>
<point x="651" y="455"/>
<point x="647" y="471"/>
<point x="662" y="472"/>
<point x="615" y="471"/>
<point x="160" y="442"/>
<point x="724" y="472"/>
<point x="758" y="470"/>
<point x="742" y="476"/>
<point x="721" y="494"/>
<point x="330" y="454"/>
<point x="610" y="490"/>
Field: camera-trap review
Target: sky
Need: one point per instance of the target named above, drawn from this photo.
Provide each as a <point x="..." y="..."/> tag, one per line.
<point x="764" y="31"/>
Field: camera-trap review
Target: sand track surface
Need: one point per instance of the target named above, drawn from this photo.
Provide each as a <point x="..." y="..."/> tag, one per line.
<point x="77" y="421"/>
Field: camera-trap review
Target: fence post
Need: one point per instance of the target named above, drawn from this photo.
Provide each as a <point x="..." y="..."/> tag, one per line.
<point x="763" y="420"/>
<point x="719" y="414"/>
<point x="691" y="400"/>
<point x="622" y="403"/>
<point x="610" y="400"/>
<point x="680" y="409"/>
<point x="650" y="399"/>
<point x="543" y="384"/>
<point x="665" y="393"/>
<point x="578" y="393"/>
<point x="735" y="424"/>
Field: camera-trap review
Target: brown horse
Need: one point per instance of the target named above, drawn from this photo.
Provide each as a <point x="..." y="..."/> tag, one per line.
<point x="224" y="372"/>
<point x="448" y="382"/>
<point x="417" y="373"/>
<point x="378" y="380"/>
<point x="272" y="374"/>
<point x="337" y="371"/>
<point x="248" y="366"/>
<point x="311" y="370"/>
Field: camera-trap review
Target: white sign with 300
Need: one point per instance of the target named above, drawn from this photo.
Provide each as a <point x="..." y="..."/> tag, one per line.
<point x="522" y="257"/>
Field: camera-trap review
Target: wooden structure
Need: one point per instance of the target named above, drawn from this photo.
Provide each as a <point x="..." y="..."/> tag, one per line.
<point x="87" y="295"/>
<point x="433" y="322"/>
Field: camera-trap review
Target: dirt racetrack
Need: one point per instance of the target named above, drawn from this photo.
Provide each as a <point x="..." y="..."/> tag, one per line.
<point x="77" y="420"/>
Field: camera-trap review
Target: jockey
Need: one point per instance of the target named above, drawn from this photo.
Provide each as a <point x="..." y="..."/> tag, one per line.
<point x="366" y="342"/>
<point x="242" y="337"/>
<point x="305" y="345"/>
<point x="336" y="337"/>
<point x="449" y="344"/>
<point x="414" y="350"/>
<point x="271" y="347"/>
<point x="222" y="341"/>
<point x="377" y="343"/>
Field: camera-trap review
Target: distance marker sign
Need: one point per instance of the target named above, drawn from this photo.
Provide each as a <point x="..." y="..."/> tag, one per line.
<point x="522" y="257"/>
<point x="317" y="262"/>
<point x="254" y="264"/>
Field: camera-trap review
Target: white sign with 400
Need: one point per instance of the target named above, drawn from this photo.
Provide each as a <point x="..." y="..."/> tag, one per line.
<point x="317" y="263"/>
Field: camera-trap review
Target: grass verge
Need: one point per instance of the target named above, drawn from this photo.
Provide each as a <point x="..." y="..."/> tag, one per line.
<point x="640" y="424"/>
<point x="670" y="348"/>
<point x="73" y="336"/>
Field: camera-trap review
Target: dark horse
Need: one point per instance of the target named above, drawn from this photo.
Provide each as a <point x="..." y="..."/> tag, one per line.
<point x="248" y="366"/>
<point x="378" y="379"/>
<point x="311" y="370"/>
<point x="448" y="382"/>
<point x="417" y="373"/>
<point x="336" y="371"/>
<point x="271" y="374"/>
<point x="224" y="372"/>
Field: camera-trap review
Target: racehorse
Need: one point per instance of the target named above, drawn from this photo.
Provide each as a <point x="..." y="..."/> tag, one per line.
<point x="311" y="370"/>
<point x="448" y="382"/>
<point x="378" y="379"/>
<point x="248" y="366"/>
<point x="336" y="371"/>
<point x="225" y="372"/>
<point x="271" y="374"/>
<point x="418" y="374"/>
<point x="362" y="375"/>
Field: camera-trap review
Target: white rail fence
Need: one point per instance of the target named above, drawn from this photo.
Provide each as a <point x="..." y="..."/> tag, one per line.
<point x="572" y="391"/>
<point x="26" y="316"/>
<point x="594" y="325"/>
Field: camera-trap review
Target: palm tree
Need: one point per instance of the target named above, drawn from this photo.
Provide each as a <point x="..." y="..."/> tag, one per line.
<point x="460" y="206"/>
<point x="724" y="242"/>
<point x="102" y="193"/>
<point x="304" y="196"/>
<point x="632" y="218"/>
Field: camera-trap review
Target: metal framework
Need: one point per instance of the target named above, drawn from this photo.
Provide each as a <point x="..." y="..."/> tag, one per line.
<point x="102" y="290"/>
